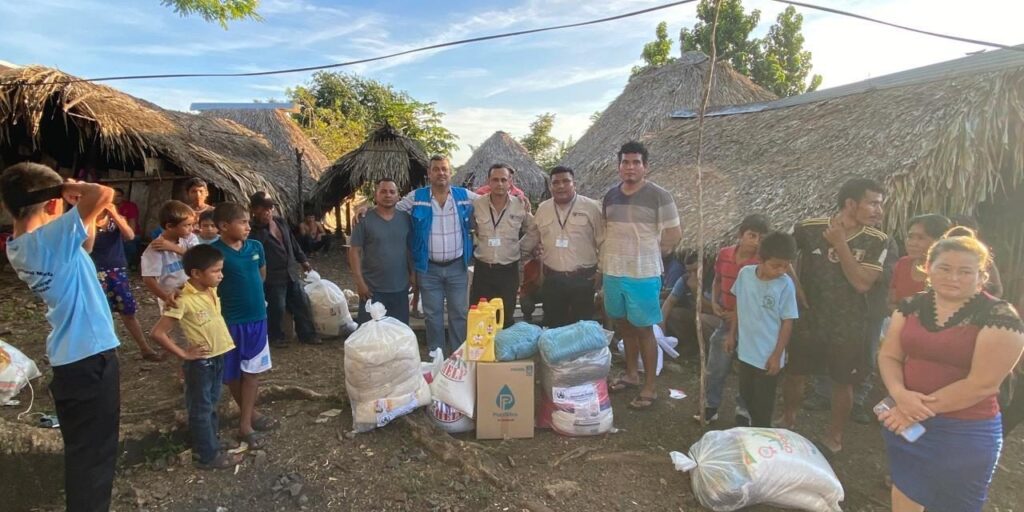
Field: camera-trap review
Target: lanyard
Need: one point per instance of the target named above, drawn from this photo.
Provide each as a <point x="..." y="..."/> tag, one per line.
<point x="561" y="223"/>
<point x="502" y="216"/>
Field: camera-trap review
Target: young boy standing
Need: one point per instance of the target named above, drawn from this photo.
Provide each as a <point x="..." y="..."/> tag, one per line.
<point x="208" y="232"/>
<point x="762" y="324"/>
<point x="162" y="272"/>
<point x="723" y="304"/>
<point x="199" y="313"/>
<point x="47" y="254"/>
<point x="244" y="307"/>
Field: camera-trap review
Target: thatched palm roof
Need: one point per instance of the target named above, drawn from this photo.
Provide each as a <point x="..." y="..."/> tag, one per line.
<point x="945" y="139"/>
<point x="644" y="107"/>
<point x="386" y="153"/>
<point x="126" y="130"/>
<point x="502" y="148"/>
<point x="277" y="126"/>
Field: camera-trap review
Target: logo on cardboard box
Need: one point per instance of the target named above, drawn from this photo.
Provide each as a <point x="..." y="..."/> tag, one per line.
<point x="505" y="400"/>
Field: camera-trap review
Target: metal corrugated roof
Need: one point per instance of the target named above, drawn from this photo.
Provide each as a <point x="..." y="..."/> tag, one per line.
<point x="971" y="64"/>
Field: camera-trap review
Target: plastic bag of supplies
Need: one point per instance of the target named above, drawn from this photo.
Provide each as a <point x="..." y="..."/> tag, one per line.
<point x="575" y="399"/>
<point x="519" y="341"/>
<point x="741" y="467"/>
<point x="383" y="375"/>
<point x="16" y="369"/>
<point x="564" y="343"/>
<point x="331" y="316"/>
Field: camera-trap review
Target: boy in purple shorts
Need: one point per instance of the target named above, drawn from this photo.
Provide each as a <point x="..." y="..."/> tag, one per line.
<point x="244" y="308"/>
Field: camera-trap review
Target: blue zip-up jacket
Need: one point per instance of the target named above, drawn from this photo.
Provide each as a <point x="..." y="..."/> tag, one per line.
<point x="422" y="218"/>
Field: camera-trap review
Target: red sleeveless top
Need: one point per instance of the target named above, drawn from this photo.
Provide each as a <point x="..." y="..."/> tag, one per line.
<point x="939" y="355"/>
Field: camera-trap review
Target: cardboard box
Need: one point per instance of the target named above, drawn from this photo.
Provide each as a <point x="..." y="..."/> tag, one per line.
<point x="504" y="400"/>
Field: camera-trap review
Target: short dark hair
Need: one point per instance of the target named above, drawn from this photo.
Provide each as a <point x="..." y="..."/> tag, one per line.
<point x="194" y="182"/>
<point x="855" y="189"/>
<point x="200" y="257"/>
<point x="19" y="180"/>
<point x="511" y="170"/>
<point x="229" y="212"/>
<point x="437" y="158"/>
<point x="755" y="222"/>
<point x="777" y="245"/>
<point x="634" y="147"/>
<point x="934" y="225"/>
<point x="385" y="179"/>
<point x="174" y="212"/>
<point x="559" y="169"/>
<point x="207" y="216"/>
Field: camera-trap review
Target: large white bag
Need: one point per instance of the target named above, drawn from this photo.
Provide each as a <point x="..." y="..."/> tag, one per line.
<point x="382" y="371"/>
<point x="16" y="370"/>
<point x="575" y="400"/>
<point x="741" y="467"/>
<point x="455" y="385"/>
<point x="329" y="306"/>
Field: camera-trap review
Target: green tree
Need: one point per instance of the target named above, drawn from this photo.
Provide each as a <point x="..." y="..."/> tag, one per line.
<point x="220" y="11"/>
<point x="732" y="37"/>
<point x="541" y="145"/>
<point x="338" y="110"/>
<point x="656" y="53"/>
<point x="783" y="65"/>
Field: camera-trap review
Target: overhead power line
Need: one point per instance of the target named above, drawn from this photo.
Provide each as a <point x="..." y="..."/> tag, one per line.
<point x="902" y="27"/>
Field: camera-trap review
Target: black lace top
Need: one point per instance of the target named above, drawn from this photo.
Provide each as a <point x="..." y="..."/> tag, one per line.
<point x="983" y="310"/>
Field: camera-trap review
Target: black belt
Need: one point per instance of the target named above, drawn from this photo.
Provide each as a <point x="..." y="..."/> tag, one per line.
<point x="495" y="266"/>
<point x="580" y="272"/>
<point x="445" y="263"/>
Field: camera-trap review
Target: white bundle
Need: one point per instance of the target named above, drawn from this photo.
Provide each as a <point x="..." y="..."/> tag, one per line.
<point x="16" y="370"/>
<point x="329" y="306"/>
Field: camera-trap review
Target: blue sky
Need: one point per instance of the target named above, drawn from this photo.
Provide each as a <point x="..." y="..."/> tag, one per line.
<point x="481" y="87"/>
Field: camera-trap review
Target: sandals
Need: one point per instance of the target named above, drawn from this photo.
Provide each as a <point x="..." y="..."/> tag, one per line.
<point x="154" y="357"/>
<point x="265" y="423"/>
<point x="223" y="460"/>
<point x="255" y="440"/>
<point x="643" y="402"/>
<point x="620" y="384"/>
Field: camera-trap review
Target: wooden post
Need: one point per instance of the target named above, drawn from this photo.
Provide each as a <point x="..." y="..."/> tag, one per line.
<point x="348" y="218"/>
<point x="337" y="220"/>
<point x="298" y="173"/>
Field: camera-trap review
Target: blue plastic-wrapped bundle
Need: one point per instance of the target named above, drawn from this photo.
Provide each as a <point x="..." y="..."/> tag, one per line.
<point x="517" y="342"/>
<point x="564" y="343"/>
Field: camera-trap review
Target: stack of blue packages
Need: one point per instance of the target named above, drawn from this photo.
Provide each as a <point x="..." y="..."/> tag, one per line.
<point x="565" y="343"/>
<point x="516" y="342"/>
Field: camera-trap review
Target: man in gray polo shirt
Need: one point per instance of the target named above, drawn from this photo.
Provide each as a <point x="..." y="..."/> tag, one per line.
<point x="379" y="256"/>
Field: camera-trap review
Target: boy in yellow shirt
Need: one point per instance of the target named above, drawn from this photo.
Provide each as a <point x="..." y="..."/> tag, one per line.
<point x="197" y="311"/>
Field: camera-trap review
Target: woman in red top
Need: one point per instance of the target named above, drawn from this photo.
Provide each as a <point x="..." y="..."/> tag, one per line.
<point x="944" y="356"/>
<point x="908" y="277"/>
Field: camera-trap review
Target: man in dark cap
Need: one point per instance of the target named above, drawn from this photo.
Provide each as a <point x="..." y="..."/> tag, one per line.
<point x="283" y="286"/>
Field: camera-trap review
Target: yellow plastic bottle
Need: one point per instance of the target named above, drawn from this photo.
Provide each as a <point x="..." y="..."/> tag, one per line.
<point x="478" y="344"/>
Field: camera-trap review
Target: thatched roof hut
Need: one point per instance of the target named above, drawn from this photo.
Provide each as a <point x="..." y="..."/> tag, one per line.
<point x="946" y="138"/>
<point x="274" y="122"/>
<point x="644" y="107"/>
<point x="386" y="153"/>
<point x="77" y="123"/>
<point x="502" y="148"/>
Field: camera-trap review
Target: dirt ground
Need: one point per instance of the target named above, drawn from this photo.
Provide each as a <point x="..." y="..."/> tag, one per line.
<point x="313" y="463"/>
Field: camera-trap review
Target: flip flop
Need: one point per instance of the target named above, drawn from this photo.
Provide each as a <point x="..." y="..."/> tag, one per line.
<point x="643" y="402"/>
<point x="265" y="423"/>
<point x="154" y="357"/>
<point x="221" y="461"/>
<point x="254" y="439"/>
<point x="620" y="384"/>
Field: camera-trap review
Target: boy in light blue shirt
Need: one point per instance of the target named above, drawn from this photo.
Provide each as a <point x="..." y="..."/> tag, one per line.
<point x="765" y="310"/>
<point x="46" y="252"/>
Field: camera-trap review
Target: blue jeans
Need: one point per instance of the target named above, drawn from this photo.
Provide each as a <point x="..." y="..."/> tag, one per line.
<point x="396" y="303"/>
<point x="202" y="394"/>
<point x="440" y="284"/>
<point x="719" y="365"/>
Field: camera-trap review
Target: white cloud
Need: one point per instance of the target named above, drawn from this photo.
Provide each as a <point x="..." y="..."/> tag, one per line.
<point x="551" y="79"/>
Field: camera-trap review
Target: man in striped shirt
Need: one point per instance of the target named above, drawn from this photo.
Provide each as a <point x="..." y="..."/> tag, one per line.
<point x="641" y="225"/>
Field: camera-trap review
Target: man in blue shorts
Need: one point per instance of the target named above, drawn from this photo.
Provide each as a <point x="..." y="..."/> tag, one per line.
<point x="641" y="225"/>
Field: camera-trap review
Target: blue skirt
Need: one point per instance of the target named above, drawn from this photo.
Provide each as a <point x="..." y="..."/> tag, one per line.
<point x="950" y="467"/>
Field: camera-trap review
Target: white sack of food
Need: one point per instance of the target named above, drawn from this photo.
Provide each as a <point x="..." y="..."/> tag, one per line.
<point x="329" y="306"/>
<point x="16" y="369"/>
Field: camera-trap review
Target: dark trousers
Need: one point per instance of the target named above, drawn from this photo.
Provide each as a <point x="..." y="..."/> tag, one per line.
<point x="758" y="391"/>
<point x="567" y="298"/>
<point x="397" y="304"/>
<point x="87" y="396"/>
<point x="309" y="246"/>
<point x="496" y="282"/>
<point x="288" y="296"/>
<point x="202" y="394"/>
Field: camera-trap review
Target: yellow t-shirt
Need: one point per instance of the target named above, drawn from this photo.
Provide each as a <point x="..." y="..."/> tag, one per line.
<point x="199" y="315"/>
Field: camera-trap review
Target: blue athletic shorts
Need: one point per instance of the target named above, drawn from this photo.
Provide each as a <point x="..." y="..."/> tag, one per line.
<point x="252" y="350"/>
<point x="635" y="299"/>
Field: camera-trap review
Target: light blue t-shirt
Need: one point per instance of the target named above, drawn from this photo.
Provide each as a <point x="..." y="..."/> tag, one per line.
<point x="53" y="263"/>
<point x="762" y="306"/>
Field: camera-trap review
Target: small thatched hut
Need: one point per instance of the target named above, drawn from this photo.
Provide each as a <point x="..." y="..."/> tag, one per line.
<point x="644" y="106"/>
<point x="946" y="138"/>
<point x="386" y="153"/>
<point x="104" y="134"/>
<point x="274" y="122"/>
<point x="502" y="148"/>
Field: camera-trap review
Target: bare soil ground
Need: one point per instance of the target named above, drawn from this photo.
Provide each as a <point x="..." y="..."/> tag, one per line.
<point x="311" y="462"/>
